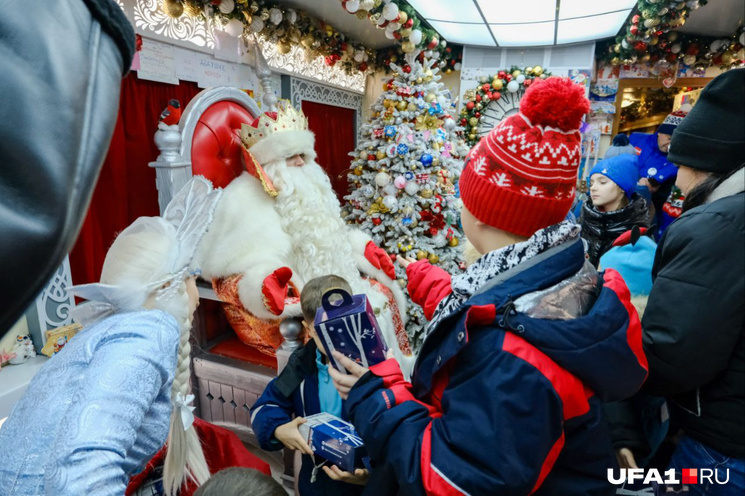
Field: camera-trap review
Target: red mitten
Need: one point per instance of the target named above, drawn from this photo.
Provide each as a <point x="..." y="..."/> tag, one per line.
<point x="379" y="259"/>
<point x="274" y="289"/>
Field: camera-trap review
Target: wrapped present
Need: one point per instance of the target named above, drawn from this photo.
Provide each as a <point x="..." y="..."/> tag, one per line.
<point x="347" y="324"/>
<point x="58" y="338"/>
<point x="334" y="440"/>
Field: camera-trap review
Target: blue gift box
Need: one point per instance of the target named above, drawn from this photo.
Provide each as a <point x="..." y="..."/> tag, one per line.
<point x="335" y="440"/>
<point x="346" y="323"/>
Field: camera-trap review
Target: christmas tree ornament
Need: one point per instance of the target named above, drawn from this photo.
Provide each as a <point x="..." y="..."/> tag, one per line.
<point x="402" y="149"/>
<point x="426" y="159"/>
<point x="427" y="193"/>
<point x="513" y="86"/>
<point x="368" y="191"/>
<point x="400" y="182"/>
<point x="537" y="70"/>
<point x="433" y="258"/>
<point x="411" y="188"/>
<point x="430" y="97"/>
<point x="391" y="151"/>
<point x="358" y="170"/>
<point x="390" y="131"/>
<point x="421" y="255"/>
<point x="453" y="242"/>
<point x="382" y="179"/>
<point x="390" y="202"/>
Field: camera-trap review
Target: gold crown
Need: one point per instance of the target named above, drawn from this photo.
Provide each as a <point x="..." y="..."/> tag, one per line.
<point x="288" y="119"/>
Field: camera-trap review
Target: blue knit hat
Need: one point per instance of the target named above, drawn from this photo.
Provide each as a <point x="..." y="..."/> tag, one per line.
<point x="634" y="263"/>
<point x="622" y="170"/>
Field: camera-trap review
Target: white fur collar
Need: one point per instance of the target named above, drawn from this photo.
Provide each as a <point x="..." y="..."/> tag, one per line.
<point x="733" y="185"/>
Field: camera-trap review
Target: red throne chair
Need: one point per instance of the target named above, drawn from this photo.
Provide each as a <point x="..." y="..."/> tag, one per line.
<point x="228" y="375"/>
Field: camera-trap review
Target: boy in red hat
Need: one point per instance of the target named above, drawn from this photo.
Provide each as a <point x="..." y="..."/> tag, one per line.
<point x="522" y="348"/>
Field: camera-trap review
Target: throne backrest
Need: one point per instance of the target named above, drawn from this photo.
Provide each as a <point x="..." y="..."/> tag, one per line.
<point x="207" y="142"/>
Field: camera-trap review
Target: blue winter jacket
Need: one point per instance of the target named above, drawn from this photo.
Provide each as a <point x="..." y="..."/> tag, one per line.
<point x="504" y="403"/>
<point x="295" y="393"/>
<point x="653" y="164"/>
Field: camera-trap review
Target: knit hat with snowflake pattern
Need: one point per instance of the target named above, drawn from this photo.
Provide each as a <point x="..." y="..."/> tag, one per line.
<point x="521" y="177"/>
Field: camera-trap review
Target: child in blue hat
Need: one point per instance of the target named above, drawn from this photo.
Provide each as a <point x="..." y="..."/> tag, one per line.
<point x="613" y="207"/>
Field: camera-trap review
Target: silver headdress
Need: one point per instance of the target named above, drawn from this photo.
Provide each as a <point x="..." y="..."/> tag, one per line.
<point x="185" y="221"/>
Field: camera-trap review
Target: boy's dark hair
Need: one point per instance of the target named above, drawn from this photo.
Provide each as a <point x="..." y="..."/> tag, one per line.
<point x="240" y="481"/>
<point x="310" y="297"/>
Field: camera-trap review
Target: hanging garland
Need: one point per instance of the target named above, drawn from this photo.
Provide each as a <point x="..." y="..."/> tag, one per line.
<point x="694" y="51"/>
<point x="281" y="26"/>
<point x="491" y="89"/>
<point x="653" y="18"/>
<point x="402" y="23"/>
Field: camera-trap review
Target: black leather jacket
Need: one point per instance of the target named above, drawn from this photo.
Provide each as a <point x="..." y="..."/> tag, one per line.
<point x="600" y="229"/>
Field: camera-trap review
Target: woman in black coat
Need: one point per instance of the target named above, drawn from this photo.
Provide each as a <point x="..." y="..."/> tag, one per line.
<point x="613" y="206"/>
<point x="694" y="323"/>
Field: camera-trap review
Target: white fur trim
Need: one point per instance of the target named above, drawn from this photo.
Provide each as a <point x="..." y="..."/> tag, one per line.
<point x="733" y="185"/>
<point x="284" y="144"/>
<point x="245" y="238"/>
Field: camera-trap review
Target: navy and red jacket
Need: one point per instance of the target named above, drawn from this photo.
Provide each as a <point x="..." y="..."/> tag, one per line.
<point x="502" y="403"/>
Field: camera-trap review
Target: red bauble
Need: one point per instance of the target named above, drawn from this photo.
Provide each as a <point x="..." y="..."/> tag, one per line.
<point x="344" y="46"/>
<point x="397" y="35"/>
<point x="671" y="57"/>
<point x="640" y="46"/>
<point x="635" y="19"/>
<point x="409" y="22"/>
<point x="654" y="58"/>
<point x="508" y="77"/>
<point x="477" y="115"/>
<point x="692" y="50"/>
<point x="470" y="105"/>
<point x="634" y="30"/>
<point x="497" y="95"/>
<point x="478" y="97"/>
<point x="370" y="156"/>
<point x="407" y="69"/>
<point x="486" y="87"/>
<point x="463" y="121"/>
<point x="433" y="43"/>
<point x="377" y="221"/>
<point x="527" y="82"/>
<point x="363" y="66"/>
<point x="501" y="74"/>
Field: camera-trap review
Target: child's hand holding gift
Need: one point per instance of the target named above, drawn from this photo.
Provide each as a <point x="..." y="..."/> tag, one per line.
<point x="359" y="477"/>
<point x="345" y="382"/>
<point x="289" y="435"/>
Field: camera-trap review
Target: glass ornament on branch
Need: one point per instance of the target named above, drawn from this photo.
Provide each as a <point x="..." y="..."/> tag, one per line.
<point x="410" y="157"/>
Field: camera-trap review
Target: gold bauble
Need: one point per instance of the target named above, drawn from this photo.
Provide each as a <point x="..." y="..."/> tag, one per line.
<point x="192" y="8"/>
<point x="358" y="170"/>
<point x="405" y="32"/>
<point x="284" y="47"/>
<point x="435" y="161"/>
<point x="479" y="106"/>
<point x="385" y="86"/>
<point x="617" y="48"/>
<point x="419" y="80"/>
<point x="473" y="121"/>
<point x="428" y="73"/>
<point x="516" y="73"/>
<point x="254" y="7"/>
<point x="435" y="146"/>
<point x="380" y="155"/>
<point x="426" y="193"/>
<point x="307" y="40"/>
<point x="329" y="30"/>
<point x="402" y="105"/>
<point x="402" y="17"/>
<point x="173" y="8"/>
<point x="497" y="84"/>
<point x="408" y="46"/>
<point x="645" y="57"/>
<point x="421" y="254"/>
<point x="537" y="70"/>
<point x="414" y="223"/>
<point x="387" y="103"/>
<point x="727" y="57"/>
<point x="411" y="107"/>
<point x="453" y="241"/>
<point x="472" y="137"/>
<point x="402" y="282"/>
<point x="361" y="14"/>
<point x="433" y="259"/>
<point x="528" y="71"/>
<point x="615" y="61"/>
<point x="430" y="97"/>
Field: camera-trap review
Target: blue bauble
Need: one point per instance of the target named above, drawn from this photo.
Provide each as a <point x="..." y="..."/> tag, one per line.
<point x="426" y="160"/>
<point x="407" y="221"/>
<point x="390" y="131"/>
<point x="402" y="149"/>
<point x="409" y="175"/>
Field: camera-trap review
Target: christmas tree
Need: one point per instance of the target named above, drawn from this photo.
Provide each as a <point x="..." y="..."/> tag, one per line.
<point x="404" y="176"/>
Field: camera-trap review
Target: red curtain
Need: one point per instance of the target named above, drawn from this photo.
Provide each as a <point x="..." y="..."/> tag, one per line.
<point x="126" y="186"/>
<point x="334" y="130"/>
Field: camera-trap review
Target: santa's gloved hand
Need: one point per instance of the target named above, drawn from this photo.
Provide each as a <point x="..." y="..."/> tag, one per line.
<point x="380" y="259"/>
<point x="274" y="289"/>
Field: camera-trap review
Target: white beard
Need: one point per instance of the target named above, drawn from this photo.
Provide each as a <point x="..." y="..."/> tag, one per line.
<point x="311" y="215"/>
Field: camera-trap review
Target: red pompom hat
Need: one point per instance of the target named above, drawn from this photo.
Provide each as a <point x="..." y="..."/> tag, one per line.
<point x="522" y="176"/>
